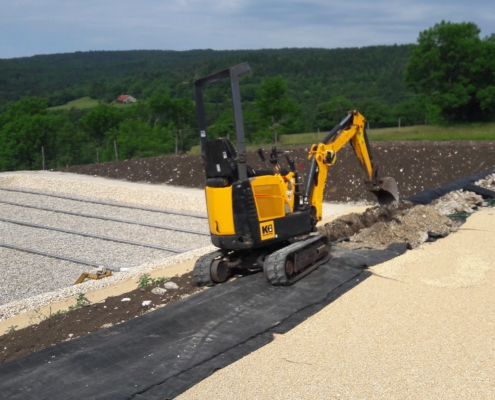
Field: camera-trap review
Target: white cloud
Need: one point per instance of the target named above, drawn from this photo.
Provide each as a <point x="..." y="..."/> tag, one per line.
<point x="30" y="27"/>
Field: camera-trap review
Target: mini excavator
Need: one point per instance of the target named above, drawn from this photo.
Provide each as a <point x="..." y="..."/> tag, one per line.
<point x="264" y="220"/>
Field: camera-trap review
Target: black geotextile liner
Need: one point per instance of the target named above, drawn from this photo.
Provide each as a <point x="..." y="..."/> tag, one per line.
<point x="428" y="195"/>
<point x="163" y="353"/>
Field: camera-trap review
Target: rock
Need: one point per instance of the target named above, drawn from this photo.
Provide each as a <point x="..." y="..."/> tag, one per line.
<point x="71" y="334"/>
<point x="171" y="285"/>
<point x="97" y="271"/>
<point x="146" y="303"/>
<point x="126" y="299"/>
<point x="159" y="290"/>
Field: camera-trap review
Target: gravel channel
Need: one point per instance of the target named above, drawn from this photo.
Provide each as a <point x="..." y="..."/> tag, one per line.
<point x="150" y="217"/>
<point x="25" y="274"/>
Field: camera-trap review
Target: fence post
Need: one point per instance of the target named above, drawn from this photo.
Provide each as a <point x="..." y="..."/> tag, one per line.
<point x="368" y="126"/>
<point x="97" y="156"/>
<point x="43" y="156"/>
<point x="399" y="123"/>
<point x="115" y="148"/>
<point x="318" y="135"/>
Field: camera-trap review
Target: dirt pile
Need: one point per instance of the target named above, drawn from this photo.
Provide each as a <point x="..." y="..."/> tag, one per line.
<point x="415" y="165"/>
<point x="350" y="224"/>
<point x="458" y="201"/>
<point x="380" y="227"/>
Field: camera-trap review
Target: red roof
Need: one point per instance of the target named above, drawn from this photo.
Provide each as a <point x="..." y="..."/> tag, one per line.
<point x="122" y="97"/>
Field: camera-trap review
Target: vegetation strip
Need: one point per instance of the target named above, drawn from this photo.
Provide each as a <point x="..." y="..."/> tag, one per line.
<point x="105" y="203"/>
<point x="11" y="221"/>
<point x="125" y="221"/>
<point x="42" y="253"/>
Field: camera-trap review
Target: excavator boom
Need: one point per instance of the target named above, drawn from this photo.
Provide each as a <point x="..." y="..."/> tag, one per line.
<point x="351" y="129"/>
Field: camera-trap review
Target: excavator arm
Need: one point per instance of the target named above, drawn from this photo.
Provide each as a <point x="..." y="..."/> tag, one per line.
<point x="323" y="155"/>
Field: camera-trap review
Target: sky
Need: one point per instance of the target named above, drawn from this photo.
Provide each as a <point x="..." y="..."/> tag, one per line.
<point x="31" y="27"/>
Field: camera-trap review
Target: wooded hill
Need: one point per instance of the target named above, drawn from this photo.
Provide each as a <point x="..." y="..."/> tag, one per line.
<point x="313" y="75"/>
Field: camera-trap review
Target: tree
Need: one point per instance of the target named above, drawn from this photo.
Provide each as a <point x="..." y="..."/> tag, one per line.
<point x="24" y="129"/>
<point x="329" y="114"/>
<point x="452" y="66"/>
<point x="274" y="103"/>
<point x="100" y="120"/>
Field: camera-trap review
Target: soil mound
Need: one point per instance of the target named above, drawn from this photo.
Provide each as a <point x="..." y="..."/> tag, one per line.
<point x="458" y="201"/>
<point x="350" y="224"/>
<point x="380" y="227"/>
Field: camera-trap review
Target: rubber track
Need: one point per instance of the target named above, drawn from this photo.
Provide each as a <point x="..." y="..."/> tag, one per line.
<point x="275" y="263"/>
<point x="125" y="221"/>
<point x="202" y="275"/>
<point x="152" y="246"/>
<point x="105" y="203"/>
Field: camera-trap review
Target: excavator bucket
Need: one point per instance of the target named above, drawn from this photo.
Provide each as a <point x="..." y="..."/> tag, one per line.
<point x="386" y="191"/>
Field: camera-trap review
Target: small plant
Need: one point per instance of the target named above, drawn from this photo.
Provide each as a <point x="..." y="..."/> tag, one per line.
<point x="81" y="301"/>
<point x="11" y="329"/>
<point x="146" y="280"/>
<point x="159" y="281"/>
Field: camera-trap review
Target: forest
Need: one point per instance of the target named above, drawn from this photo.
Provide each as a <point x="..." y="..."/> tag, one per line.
<point x="447" y="77"/>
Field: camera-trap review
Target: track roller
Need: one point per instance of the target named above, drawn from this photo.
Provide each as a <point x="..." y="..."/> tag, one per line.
<point x="202" y="268"/>
<point x="288" y="265"/>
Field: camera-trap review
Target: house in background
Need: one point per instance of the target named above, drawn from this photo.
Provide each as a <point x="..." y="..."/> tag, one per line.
<point x="125" y="98"/>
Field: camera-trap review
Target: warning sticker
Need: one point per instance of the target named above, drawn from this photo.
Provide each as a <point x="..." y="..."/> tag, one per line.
<point x="267" y="230"/>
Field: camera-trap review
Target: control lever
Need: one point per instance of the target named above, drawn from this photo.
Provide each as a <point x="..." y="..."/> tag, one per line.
<point x="262" y="156"/>
<point x="274" y="156"/>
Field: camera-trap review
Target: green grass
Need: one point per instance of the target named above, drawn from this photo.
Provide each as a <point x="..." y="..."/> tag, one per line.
<point x="419" y="132"/>
<point x="86" y="102"/>
<point x="121" y="105"/>
<point x="83" y="102"/>
<point x="431" y="132"/>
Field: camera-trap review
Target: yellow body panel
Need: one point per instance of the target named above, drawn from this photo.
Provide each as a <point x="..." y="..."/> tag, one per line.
<point x="220" y="213"/>
<point x="272" y="195"/>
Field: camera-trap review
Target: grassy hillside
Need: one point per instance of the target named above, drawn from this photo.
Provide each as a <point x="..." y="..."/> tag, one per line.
<point x="86" y="102"/>
<point x="412" y="133"/>
<point x="83" y="102"/>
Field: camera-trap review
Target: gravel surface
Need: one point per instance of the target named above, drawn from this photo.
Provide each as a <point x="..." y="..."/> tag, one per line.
<point x="149" y="217"/>
<point x="156" y="236"/>
<point x="421" y="327"/>
<point x="25" y="275"/>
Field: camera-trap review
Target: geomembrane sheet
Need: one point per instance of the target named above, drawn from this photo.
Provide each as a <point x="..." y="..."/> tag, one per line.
<point x="163" y="353"/>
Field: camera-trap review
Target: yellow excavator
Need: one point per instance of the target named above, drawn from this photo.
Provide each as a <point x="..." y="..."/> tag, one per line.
<point x="266" y="219"/>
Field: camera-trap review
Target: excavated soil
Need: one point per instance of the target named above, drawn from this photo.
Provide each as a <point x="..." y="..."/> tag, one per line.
<point x="380" y="227"/>
<point x="49" y="330"/>
<point x="415" y="165"/>
<point x="414" y="227"/>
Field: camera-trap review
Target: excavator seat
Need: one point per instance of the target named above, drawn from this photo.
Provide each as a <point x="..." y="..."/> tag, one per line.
<point x="221" y="166"/>
<point x="220" y="160"/>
